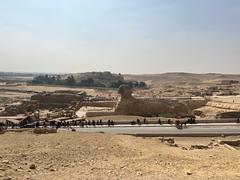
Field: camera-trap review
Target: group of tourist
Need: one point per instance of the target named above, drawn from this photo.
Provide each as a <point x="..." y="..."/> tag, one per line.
<point x="110" y="123"/>
<point x="91" y="123"/>
<point x="95" y="123"/>
<point x="82" y="123"/>
<point x="139" y="122"/>
<point x="179" y="124"/>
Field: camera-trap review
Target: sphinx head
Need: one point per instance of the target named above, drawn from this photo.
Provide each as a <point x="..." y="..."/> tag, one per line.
<point x="125" y="91"/>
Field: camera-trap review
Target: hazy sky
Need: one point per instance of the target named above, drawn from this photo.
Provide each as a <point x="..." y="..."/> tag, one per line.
<point x="127" y="36"/>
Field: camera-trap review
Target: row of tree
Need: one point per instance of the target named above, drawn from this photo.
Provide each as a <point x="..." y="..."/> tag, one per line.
<point x="55" y="80"/>
<point x="88" y="82"/>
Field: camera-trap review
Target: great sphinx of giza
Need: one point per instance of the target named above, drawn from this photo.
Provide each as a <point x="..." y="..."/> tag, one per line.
<point x="129" y="105"/>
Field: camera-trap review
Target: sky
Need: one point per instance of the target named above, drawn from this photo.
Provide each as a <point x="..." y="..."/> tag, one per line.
<point x="122" y="36"/>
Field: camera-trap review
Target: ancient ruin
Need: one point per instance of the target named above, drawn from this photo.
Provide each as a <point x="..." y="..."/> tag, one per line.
<point x="130" y="105"/>
<point x="148" y="107"/>
<point x="58" y="98"/>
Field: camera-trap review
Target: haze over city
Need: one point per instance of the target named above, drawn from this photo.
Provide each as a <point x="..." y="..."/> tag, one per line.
<point x="127" y="36"/>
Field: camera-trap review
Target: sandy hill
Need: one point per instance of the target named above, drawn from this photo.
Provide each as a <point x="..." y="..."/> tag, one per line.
<point x="182" y="78"/>
<point x="73" y="155"/>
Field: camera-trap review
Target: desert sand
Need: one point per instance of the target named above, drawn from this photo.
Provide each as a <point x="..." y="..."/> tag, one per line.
<point x="74" y="155"/>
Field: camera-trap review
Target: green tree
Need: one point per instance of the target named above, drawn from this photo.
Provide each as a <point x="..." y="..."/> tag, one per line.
<point x="70" y="81"/>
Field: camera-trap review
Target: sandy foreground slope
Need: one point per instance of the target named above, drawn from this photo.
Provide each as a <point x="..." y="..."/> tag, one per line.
<point x="74" y="155"/>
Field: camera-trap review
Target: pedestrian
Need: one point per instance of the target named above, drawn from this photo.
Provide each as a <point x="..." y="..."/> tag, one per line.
<point x="112" y="123"/>
<point x="44" y="124"/>
<point x="169" y="121"/>
<point x="94" y="123"/>
<point x="181" y="124"/>
<point x="89" y="123"/>
<point x="159" y="121"/>
<point x="138" y="122"/>
<point x="194" y="120"/>
<point x="144" y="121"/>
<point x="190" y="121"/>
<point x="58" y="125"/>
<point x="37" y="124"/>
<point x="82" y="124"/>
<point x="177" y="122"/>
<point x="68" y="124"/>
<point x="109" y="123"/>
<point x="185" y="123"/>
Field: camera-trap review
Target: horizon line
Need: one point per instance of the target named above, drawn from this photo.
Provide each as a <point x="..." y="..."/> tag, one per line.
<point x="167" y="72"/>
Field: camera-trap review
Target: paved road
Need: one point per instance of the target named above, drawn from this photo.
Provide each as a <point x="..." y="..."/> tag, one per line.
<point x="168" y="130"/>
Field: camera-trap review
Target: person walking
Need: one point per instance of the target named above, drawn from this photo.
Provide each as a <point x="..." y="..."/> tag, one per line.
<point x="93" y="123"/>
<point x="112" y="123"/>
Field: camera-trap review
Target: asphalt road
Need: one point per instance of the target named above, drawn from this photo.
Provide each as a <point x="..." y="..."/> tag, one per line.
<point x="228" y="129"/>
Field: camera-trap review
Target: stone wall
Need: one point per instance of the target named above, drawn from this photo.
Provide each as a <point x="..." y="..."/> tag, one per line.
<point x="100" y="103"/>
<point x="222" y="105"/>
<point x="57" y="98"/>
<point x="232" y="114"/>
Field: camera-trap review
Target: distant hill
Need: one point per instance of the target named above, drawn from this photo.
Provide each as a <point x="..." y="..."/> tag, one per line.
<point x="107" y="79"/>
<point x="182" y="78"/>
